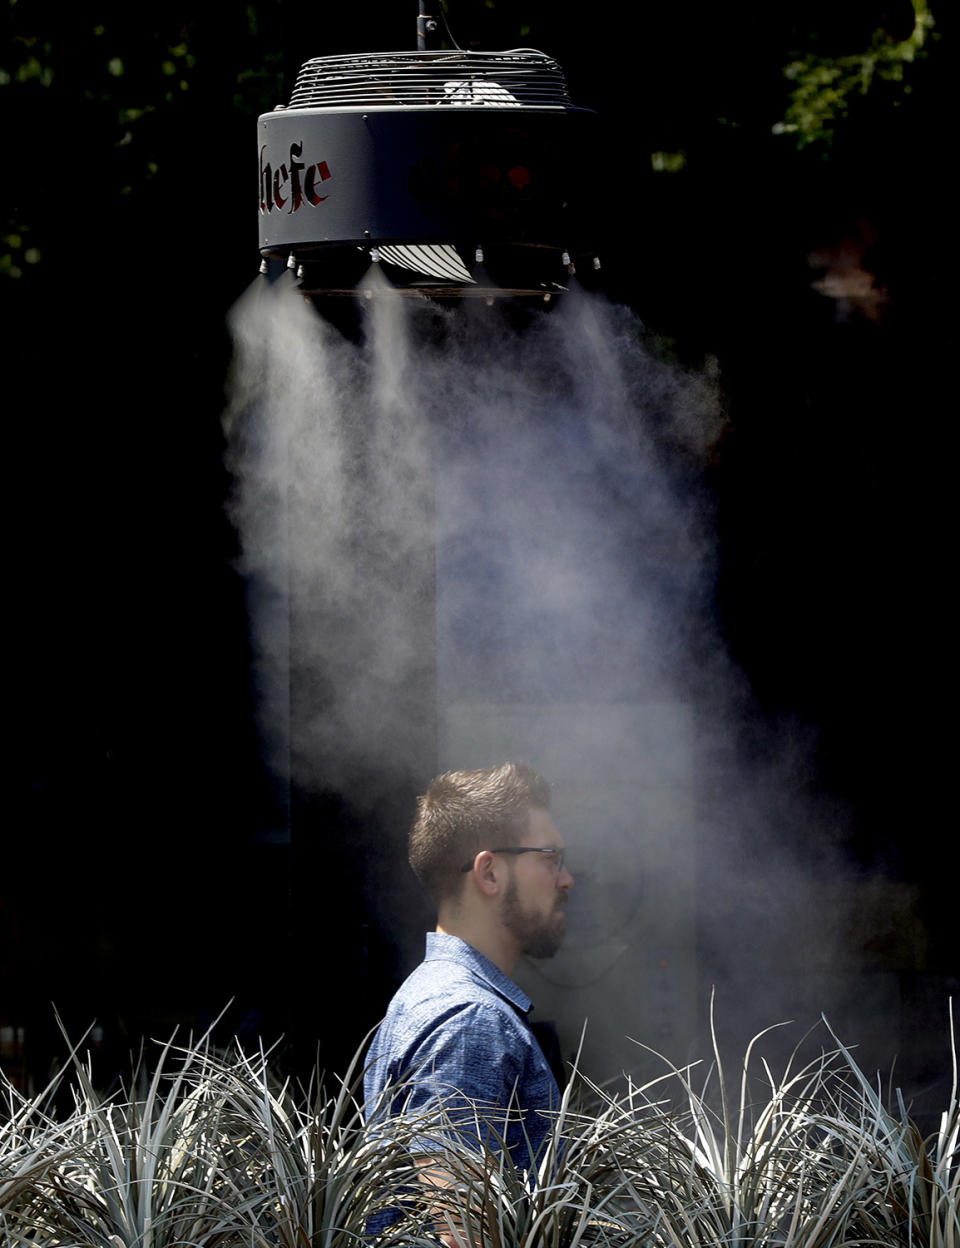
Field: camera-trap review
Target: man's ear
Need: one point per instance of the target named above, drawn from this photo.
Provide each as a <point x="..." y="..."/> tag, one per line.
<point x="485" y="874"/>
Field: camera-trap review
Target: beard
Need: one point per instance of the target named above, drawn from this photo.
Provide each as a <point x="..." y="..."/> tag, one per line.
<point x="539" y="936"/>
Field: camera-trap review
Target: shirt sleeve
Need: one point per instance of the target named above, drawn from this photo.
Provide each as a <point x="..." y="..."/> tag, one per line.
<point x="464" y="1077"/>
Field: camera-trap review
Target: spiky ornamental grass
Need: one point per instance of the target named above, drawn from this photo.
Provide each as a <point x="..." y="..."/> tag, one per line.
<point x="212" y="1154"/>
<point x="210" y="1151"/>
<point x="143" y="1169"/>
<point x="318" y="1170"/>
<point x="32" y="1144"/>
<point x="909" y="1188"/>
<point x="813" y="1162"/>
<point x="731" y="1169"/>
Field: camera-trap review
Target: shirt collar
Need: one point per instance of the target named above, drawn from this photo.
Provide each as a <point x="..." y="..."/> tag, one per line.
<point x="442" y="947"/>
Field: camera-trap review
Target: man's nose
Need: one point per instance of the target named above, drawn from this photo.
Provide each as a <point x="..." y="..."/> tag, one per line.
<point x="565" y="879"/>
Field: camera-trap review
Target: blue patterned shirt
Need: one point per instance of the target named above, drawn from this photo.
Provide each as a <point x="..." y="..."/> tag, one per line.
<point x="457" y="1032"/>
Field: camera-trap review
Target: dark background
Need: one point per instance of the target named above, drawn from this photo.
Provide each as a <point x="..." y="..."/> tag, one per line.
<point x="136" y="884"/>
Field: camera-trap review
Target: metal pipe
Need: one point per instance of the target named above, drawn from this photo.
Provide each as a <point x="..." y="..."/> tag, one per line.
<point x="428" y="28"/>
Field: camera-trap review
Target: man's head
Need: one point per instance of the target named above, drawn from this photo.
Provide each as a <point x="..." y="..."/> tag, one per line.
<point x="463" y="812"/>
<point x="485" y="846"/>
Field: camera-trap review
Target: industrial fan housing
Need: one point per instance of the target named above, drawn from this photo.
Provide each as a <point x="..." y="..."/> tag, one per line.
<point x="460" y="172"/>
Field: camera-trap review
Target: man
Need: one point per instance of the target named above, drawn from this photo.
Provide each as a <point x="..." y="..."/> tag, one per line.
<point x="456" y="1033"/>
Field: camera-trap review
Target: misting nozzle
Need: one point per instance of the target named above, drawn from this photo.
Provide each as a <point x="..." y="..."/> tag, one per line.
<point x="299" y="272"/>
<point x="565" y="259"/>
<point x="375" y="254"/>
<point x="291" y="261"/>
<point x="264" y="267"/>
<point x="596" y="263"/>
<point x="479" y="254"/>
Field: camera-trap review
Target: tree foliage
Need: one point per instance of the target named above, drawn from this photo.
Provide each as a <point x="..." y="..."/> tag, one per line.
<point x="824" y="86"/>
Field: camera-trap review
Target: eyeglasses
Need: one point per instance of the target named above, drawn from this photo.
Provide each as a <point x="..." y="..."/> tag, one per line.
<point x="558" y="854"/>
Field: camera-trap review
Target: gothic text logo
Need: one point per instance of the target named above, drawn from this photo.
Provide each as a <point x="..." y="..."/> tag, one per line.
<point x="292" y="183"/>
